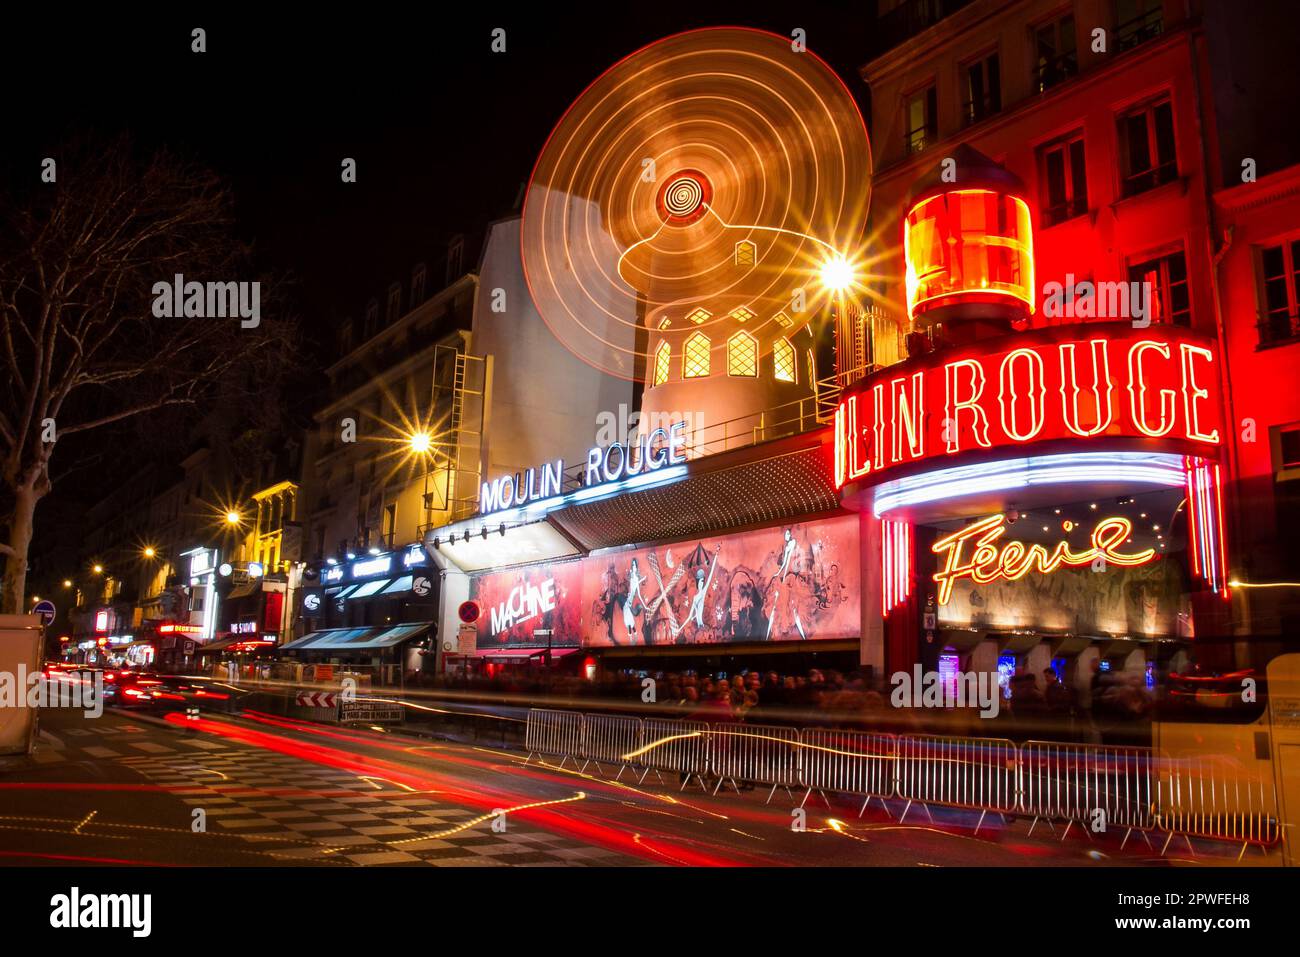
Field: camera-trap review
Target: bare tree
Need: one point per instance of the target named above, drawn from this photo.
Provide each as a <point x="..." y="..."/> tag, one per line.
<point x="80" y="345"/>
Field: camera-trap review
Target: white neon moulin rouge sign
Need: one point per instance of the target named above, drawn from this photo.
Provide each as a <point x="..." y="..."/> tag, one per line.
<point x="1159" y="384"/>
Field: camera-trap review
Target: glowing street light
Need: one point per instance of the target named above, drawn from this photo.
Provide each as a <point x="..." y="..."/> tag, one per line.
<point x="232" y="517"/>
<point x="419" y="442"/>
<point x="98" y="569"/>
<point x="149" y="551"/>
<point x="837" y="274"/>
<point x="67" y="583"/>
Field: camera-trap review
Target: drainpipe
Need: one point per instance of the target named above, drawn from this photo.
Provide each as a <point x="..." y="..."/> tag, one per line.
<point x="1216" y="257"/>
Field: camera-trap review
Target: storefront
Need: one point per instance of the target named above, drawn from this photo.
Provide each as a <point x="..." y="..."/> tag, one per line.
<point x="734" y="562"/>
<point x="1038" y="499"/>
<point x="377" y="613"/>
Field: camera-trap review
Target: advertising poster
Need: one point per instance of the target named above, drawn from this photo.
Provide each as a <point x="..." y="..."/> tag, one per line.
<point x="794" y="582"/>
<point x="519" y="603"/>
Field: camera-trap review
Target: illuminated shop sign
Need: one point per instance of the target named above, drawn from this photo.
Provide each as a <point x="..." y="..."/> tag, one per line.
<point x="243" y="627"/>
<point x="371" y="566"/>
<point x="605" y="467"/>
<point x="101" y="621"/>
<point x="1076" y="384"/>
<point x="976" y="552"/>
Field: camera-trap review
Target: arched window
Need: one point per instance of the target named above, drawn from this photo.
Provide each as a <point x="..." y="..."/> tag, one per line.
<point x="695" y="357"/>
<point x="742" y="355"/>
<point x="663" y="355"/>
<point x="783" y="361"/>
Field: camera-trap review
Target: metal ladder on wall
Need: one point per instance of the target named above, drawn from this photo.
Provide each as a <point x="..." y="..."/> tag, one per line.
<point x="465" y="396"/>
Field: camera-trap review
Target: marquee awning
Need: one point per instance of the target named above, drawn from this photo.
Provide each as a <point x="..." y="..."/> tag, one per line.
<point x="760" y="484"/>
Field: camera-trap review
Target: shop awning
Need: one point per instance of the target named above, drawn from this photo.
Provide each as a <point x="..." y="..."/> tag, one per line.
<point x="352" y="639"/>
<point x="393" y="636"/>
<point x="244" y="590"/>
<point x="519" y="654"/>
<point x="325" y="636"/>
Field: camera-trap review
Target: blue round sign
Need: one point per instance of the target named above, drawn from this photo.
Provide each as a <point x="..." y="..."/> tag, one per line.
<point x="45" y="611"/>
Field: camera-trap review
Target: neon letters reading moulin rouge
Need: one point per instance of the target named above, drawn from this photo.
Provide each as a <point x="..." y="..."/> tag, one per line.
<point x="1115" y="381"/>
<point x="1013" y="560"/>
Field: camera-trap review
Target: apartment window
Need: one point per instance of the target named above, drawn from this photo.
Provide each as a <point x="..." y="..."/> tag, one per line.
<point x="921" y="119"/>
<point x="695" y="357"/>
<point x="1167" y="278"/>
<point x="1289" y="447"/>
<point x="1137" y="21"/>
<point x="390" y="524"/>
<point x="1146" y="137"/>
<point x="372" y="318"/>
<point x="417" y="284"/>
<point x="394" y="307"/>
<point x="455" y="258"/>
<point x="783" y="360"/>
<point x="663" y="356"/>
<point x="1286" y="481"/>
<point x="1064" y="179"/>
<point x="1279" y="270"/>
<point x="1056" y="58"/>
<point x="983" y="88"/>
<point x="742" y="355"/>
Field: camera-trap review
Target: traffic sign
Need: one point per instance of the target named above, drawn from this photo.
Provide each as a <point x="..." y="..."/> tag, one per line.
<point x="45" y="610"/>
<point x="317" y="699"/>
<point x="469" y="611"/>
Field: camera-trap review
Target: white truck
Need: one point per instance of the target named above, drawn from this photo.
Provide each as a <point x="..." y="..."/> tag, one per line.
<point x="20" y="655"/>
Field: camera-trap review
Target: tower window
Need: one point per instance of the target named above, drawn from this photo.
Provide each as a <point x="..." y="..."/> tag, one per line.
<point x="742" y="355"/>
<point x="783" y="359"/>
<point x="699" y="315"/>
<point x="663" y="355"/>
<point x="782" y="320"/>
<point x="746" y="253"/>
<point x="743" y="314"/>
<point x="695" y="357"/>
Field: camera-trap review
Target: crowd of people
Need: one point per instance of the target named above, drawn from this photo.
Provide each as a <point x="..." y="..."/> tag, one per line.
<point x="1107" y="706"/>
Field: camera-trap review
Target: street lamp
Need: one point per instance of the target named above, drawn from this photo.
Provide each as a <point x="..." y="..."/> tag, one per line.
<point x="98" y="569"/>
<point x="837" y="274"/>
<point x="67" y="583"/>
<point x="419" y="442"/>
<point x="149" y="551"/>
<point x="232" y="517"/>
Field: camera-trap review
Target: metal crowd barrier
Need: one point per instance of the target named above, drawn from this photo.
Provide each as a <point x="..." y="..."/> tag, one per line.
<point x="1132" y="787"/>
<point x="974" y="773"/>
<point x="762" y="754"/>
<point x="849" y="762"/>
<point x="556" y="733"/>
<point x="678" y="747"/>
<point x="1214" y="798"/>
<point x="1089" y="784"/>
<point x="611" y="739"/>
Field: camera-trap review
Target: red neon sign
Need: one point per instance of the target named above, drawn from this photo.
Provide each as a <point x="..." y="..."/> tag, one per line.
<point x="1158" y="384"/>
<point x="989" y="561"/>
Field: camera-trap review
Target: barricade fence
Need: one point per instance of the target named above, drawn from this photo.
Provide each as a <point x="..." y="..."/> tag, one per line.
<point x="1099" y="787"/>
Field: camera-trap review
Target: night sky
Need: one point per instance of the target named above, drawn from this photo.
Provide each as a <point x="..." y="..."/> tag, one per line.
<point x="445" y="132"/>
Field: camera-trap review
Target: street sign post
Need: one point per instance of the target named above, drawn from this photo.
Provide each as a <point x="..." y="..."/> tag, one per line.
<point x="45" y="611"/>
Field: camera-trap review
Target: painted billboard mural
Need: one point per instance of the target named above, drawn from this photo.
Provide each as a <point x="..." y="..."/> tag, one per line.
<point x="519" y="603"/>
<point x="1146" y="600"/>
<point x="786" y="583"/>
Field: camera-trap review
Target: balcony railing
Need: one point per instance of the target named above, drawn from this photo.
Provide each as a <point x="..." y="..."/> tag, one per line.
<point x="1279" y="327"/>
<point x="1145" y="26"/>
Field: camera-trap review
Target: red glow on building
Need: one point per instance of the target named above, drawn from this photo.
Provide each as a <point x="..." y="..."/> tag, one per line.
<point x="969" y="246"/>
<point x="1077" y="384"/>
